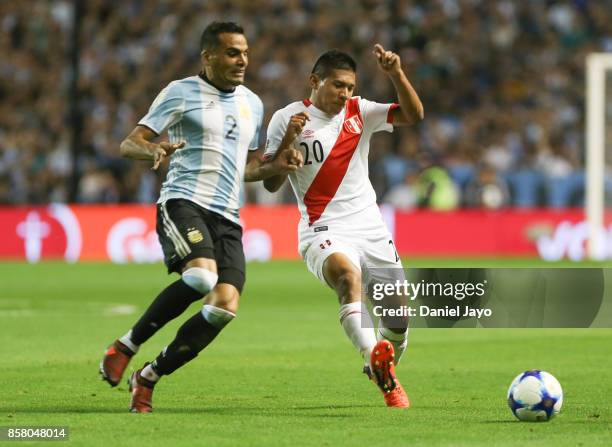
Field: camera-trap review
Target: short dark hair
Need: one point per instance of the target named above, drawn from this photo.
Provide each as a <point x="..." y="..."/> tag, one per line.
<point x="210" y="35"/>
<point x="333" y="60"/>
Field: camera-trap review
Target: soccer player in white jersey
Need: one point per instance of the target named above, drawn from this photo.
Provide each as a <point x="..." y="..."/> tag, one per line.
<point x="213" y="124"/>
<point x="342" y="236"/>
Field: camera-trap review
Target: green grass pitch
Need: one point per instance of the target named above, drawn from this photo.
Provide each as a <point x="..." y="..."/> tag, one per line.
<point x="282" y="373"/>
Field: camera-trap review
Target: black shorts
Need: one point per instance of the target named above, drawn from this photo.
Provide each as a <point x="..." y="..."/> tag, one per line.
<point x="187" y="231"/>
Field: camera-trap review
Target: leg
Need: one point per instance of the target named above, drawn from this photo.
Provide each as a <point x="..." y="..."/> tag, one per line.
<point x="383" y="266"/>
<point x="198" y="277"/>
<point x="188" y="249"/>
<point x="192" y="337"/>
<point x="392" y="342"/>
<point x="345" y="278"/>
<point x="188" y="246"/>
<point x="394" y="329"/>
<point x="220" y="307"/>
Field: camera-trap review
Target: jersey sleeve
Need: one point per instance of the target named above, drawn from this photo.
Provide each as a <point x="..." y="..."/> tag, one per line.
<point x="276" y="131"/>
<point x="167" y="109"/>
<point x="258" y="114"/>
<point x="377" y="116"/>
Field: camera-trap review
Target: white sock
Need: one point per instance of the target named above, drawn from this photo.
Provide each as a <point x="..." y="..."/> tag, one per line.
<point x="357" y="325"/>
<point x="399" y="341"/>
<point x="149" y="373"/>
<point x="127" y="341"/>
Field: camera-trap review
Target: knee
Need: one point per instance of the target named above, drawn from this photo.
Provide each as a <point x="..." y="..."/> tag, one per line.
<point x="200" y="279"/>
<point x="229" y="306"/>
<point x="224" y="296"/>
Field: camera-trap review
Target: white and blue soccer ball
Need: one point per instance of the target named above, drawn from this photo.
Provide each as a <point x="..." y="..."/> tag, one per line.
<point x="535" y="396"/>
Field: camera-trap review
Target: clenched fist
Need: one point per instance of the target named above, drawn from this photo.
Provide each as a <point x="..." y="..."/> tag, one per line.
<point x="295" y="127"/>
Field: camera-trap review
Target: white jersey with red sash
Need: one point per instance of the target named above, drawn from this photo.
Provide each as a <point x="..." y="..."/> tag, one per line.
<point x="333" y="189"/>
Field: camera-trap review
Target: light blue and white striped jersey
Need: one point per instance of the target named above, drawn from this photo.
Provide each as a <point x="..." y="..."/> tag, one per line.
<point x="219" y="129"/>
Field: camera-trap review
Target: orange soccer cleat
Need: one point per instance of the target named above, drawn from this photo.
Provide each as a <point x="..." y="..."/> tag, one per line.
<point x="383" y="374"/>
<point x="142" y="393"/>
<point x="116" y="359"/>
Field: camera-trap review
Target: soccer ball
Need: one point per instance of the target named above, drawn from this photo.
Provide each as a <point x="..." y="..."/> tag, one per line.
<point x="535" y="396"/>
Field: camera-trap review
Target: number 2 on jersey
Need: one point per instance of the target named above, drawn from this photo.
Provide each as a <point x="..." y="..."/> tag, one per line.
<point x="317" y="152"/>
<point x="231" y="123"/>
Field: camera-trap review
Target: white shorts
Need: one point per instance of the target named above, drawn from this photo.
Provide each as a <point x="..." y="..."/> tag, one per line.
<point x="371" y="251"/>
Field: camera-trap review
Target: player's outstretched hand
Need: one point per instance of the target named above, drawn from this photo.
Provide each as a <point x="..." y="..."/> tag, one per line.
<point x="163" y="150"/>
<point x="295" y="127"/>
<point x="388" y="61"/>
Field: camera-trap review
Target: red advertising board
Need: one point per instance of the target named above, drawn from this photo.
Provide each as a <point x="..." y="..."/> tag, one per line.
<point x="476" y="232"/>
<point x="126" y="233"/>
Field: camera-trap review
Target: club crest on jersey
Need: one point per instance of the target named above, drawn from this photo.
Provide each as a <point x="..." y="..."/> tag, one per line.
<point x="194" y="235"/>
<point x="245" y="112"/>
<point x="353" y="125"/>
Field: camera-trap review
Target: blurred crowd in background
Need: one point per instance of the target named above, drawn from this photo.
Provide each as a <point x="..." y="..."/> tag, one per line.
<point x="502" y="83"/>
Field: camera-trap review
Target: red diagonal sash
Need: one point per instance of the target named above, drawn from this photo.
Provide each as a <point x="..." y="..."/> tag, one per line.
<point x="327" y="181"/>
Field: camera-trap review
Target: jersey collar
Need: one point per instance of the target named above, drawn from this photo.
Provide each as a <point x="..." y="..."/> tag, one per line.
<point x="203" y="77"/>
<point x="320" y="113"/>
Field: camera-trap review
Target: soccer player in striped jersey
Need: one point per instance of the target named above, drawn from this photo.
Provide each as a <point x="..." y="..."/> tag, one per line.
<point x="213" y="124"/>
<point x="342" y="236"/>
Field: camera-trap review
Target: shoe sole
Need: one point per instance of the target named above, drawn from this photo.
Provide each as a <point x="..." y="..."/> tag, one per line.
<point x="381" y="361"/>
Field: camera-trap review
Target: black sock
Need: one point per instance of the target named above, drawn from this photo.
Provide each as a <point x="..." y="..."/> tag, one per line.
<point x="169" y="304"/>
<point x="191" y="338"/>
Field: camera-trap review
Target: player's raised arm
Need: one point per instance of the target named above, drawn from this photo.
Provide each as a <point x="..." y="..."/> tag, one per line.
<point x="410" y="110"/>
<point x="138" y="145"/>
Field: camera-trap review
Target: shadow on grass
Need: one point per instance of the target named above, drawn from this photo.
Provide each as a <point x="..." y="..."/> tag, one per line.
<point x="332" y="407"/>
<point x="502" y="421"/>
<point x="57" y="409"/>
<point x="327" y="411"/>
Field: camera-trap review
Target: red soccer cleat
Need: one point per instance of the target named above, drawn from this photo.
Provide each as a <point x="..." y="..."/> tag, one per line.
<point x="142" y="393"/>
<point x="383" y="374"/>
<point x="116" y="359"/>
<point x="398" y="397"/>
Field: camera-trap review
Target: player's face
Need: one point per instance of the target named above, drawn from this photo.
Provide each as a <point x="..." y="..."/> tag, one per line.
<point x="330" y="94"/>
<point x="225" y="65"/>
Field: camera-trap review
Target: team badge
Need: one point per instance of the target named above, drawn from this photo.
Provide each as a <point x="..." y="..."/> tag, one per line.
<point x="245" y="112"/>
<point x="194" y="236"/>
<point x="353" y="125"/>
